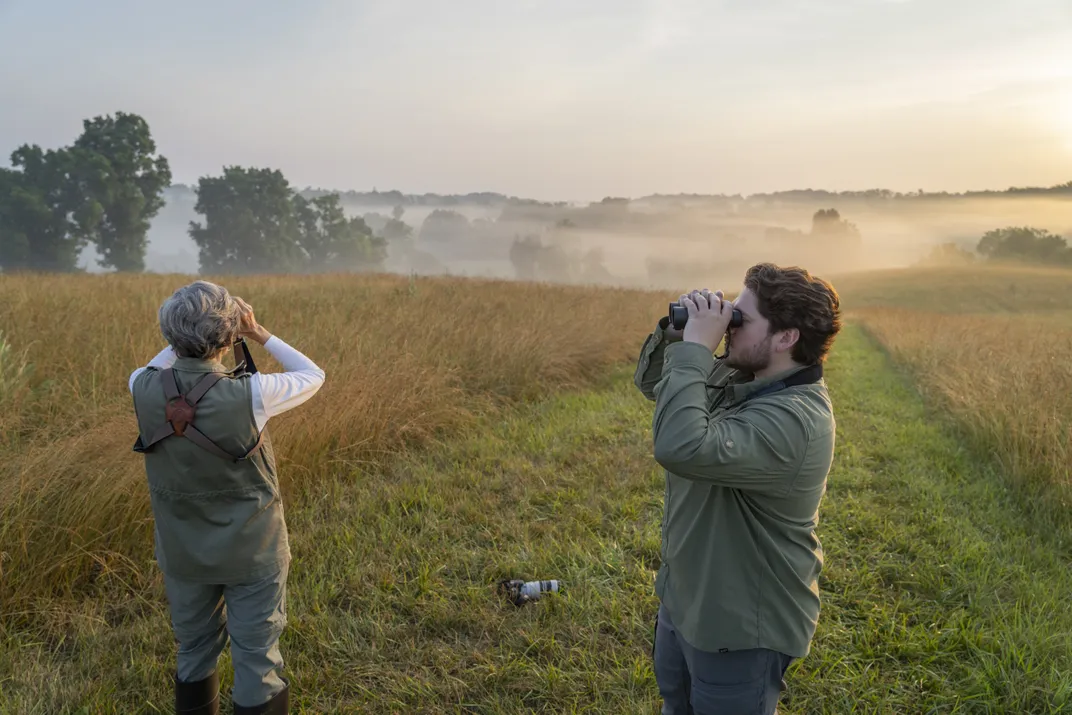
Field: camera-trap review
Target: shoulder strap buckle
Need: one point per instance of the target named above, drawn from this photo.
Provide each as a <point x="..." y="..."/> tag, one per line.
<point x="180" y="412"/>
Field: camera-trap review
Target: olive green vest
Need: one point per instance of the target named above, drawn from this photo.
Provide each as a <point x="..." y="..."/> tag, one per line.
<point x="216" y="520"/>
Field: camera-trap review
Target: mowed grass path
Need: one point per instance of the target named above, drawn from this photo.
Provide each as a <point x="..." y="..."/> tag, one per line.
<point x="939" y="595"/>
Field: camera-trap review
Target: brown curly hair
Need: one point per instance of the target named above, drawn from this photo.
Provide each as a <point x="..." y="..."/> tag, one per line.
<point x="793" y="298"/>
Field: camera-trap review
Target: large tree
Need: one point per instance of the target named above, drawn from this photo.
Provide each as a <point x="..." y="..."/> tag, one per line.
<point x="47" y="215"/>
<point x="828" y="225"/>
<point x="444" y="226"/>
<point x="250" y="223"/>
<point x="396" y="229"/>
<point x="128" y="186"/>
<point x="332" y="241"/>
<point x="1024" y="243"/>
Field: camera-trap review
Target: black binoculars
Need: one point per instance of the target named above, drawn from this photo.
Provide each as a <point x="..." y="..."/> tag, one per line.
<point x="679" y="315"/>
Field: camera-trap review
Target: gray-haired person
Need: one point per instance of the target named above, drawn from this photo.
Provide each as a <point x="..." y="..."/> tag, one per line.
<point x="220" y="536"/>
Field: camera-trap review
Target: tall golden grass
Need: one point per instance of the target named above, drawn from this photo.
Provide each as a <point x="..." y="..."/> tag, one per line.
<point x="993" y="346"/>
<point x="1006" y="378"/>
<point x="411" y="362"/>
<point x="408" y="361"/>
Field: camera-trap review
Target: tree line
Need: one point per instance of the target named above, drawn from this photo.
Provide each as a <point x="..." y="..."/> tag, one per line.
<point x="497" y="200"/>
<point x="104" y="189"/>
<point x="1011" y="244"/>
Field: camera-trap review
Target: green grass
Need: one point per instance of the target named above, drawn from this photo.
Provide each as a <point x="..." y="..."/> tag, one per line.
<point x="940" y="596"/>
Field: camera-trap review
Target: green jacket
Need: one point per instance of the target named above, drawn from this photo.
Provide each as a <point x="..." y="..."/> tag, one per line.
<point x="744" y="479"/>
<point x="215" y="521"/>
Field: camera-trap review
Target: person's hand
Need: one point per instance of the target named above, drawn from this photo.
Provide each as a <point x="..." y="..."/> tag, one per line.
<point x="249" y="327"/>
<point x="672" y="334"/>
<point x="709" y="317"/>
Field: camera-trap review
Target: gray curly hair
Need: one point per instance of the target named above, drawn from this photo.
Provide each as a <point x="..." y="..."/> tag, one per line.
<point x="200" y="319"/>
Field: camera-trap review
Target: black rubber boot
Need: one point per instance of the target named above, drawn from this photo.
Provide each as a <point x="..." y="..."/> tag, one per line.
<point x="198" y="698"/>
<point x="278" y="705"/>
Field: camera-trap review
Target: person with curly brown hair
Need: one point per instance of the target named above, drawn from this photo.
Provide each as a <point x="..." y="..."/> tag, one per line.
<point x="747" y="442"/>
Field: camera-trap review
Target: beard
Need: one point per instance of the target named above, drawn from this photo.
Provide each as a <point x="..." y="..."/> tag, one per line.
<point x="754" y="360"/>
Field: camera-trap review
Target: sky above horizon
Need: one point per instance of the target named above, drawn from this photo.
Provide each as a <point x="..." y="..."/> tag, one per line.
<point x="559" y="100"/>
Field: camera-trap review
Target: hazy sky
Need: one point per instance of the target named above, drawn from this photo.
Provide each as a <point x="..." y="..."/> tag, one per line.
<point x="557" y="99"/>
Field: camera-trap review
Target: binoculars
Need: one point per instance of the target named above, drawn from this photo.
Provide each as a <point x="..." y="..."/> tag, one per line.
<point x="679" y="315"/>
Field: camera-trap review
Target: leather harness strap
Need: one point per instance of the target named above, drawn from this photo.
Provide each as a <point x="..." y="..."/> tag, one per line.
<point x="202" y="386"/>
<point x="180" y="411"/>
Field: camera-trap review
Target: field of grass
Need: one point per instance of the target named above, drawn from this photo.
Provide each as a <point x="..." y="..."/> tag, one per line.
<point x="992" y="349"/>
<point x="471" y="431"/>
<point x="408" y="364"/>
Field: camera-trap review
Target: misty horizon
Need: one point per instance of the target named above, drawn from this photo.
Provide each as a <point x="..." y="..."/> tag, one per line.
<point x="649" y="241"/>
<point x="365" y="192"/>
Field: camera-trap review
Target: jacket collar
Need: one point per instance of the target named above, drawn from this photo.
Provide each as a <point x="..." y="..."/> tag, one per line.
<point x="741" y="385"/>
<point x="189" y="364"/>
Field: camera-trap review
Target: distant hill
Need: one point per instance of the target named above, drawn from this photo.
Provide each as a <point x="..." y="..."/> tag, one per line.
<point x="494" y="199"/>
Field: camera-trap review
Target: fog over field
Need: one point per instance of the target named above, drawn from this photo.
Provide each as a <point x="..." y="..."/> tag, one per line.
<point x="646" y="240"/>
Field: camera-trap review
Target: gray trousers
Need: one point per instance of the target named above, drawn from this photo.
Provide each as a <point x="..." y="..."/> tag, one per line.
<point x="696" y="682"/>
<point x="252" y="614"/>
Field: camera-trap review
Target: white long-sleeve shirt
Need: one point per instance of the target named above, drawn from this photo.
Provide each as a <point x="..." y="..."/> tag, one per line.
<point x="272" y="393"/>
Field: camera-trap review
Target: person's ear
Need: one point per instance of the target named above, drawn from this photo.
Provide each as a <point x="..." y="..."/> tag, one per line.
<point x="786" y="340"/>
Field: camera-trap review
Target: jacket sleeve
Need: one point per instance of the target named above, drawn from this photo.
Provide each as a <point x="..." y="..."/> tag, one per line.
<point x="649" y="369"/>
<point x="760" y="447"/>
<point x="163" y="359"/>
<point x="277" y="392"/>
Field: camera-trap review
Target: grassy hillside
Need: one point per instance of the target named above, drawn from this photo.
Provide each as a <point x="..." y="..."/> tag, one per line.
<point x="473" y="431"/>
<point x="961" y="289"/>
<point x="992" y="349"/>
